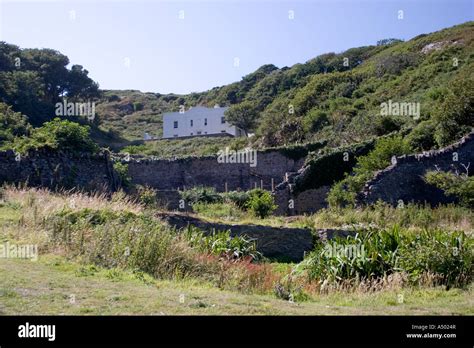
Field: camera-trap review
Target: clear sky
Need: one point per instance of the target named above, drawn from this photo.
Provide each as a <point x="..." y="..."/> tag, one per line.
<point x="145" y="44"/>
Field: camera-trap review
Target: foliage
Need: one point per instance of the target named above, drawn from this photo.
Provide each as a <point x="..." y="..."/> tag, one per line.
<point x="239" y="198"/>
<point x="146" y="196"/>
<point x="380" y="157"/>
<point x="200" y="194"/>
<point x="122" y="171"/>
<point x="345" y="191"/>
<point x="376" y="254"/>
<point x="330" y="166"/>
<point x="243" y="116"/>
<point x="459" y="186"/>
<point x="261" y="203"/>
<point x="12" y="124"/>
<point x="61" y="135"/>
<point x="421" y="137"/>
<point x="411" y="216"/>
<point x="34" y="80"/>
<point x="455" y="115"/>
<point x="121" y="239"/>
<point x="220" y="243"/>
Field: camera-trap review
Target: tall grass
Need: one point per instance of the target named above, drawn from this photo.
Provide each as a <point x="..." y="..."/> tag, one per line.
<point x="447" y="257"/>
<point x="412" y="216"/>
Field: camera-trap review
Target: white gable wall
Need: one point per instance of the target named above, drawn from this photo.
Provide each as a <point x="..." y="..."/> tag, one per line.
<point x="198" y="116"/>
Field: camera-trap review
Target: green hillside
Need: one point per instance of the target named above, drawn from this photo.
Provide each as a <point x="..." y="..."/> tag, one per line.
<point x="334" y="98"/>
<point x="329" y="97"/>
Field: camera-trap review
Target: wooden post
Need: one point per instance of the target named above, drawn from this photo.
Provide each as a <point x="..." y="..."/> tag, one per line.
<point x="261" y="183"/>
<point x="273" y="185"/>
<point x="226" y="186"/>
<point x="255" y="184"/>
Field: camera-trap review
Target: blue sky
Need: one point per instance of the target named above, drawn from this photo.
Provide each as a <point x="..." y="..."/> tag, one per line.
<point x="168" y="54"/>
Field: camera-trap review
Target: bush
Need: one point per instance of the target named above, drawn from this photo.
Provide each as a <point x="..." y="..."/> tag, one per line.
<point x="382" y="154"/>
<point x="421" y="137"/>
<point x="221" y="244"/>
<point x="239" y="198"/>
<point x="123" y="239"/>
<point x="146" y="196"/>
<point x="386" y="124"/>
<point x="201" y="195"/>
<point x="345" y="192"/>
<point x="455" y="115"/>
<point x="448" y="257"/>
<point x="122" y="171"/>
<point x="261" y="203"/>
<point x="12" y="124"/>
<point x="315" y="120"/>
<point x="61" y="135"/>
<point x="459" y="186"/>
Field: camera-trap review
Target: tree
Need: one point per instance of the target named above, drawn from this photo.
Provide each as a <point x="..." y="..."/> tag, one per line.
<point x="12" y="124"/>
<point x="243" y="116"/>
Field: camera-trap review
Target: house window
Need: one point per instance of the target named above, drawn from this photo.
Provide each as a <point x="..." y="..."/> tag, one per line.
<point x="175" y="124"/>
<point x="222" y="119"/>
<point x="176" y="135"/>
<point x="191" y="123"/>
<point x="199" y="133"/>
<point x="192" y="133"/>
<point x="222" y="131"/>
<point x="205" y="121"/>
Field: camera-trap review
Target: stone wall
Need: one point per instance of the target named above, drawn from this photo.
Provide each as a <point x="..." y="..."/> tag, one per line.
<point x="299" y="203"/>
<point x="404" y="179"/>
<point x="56" y="170"/>
<point x="206" y="171"/>
<point x="95" y="172"/>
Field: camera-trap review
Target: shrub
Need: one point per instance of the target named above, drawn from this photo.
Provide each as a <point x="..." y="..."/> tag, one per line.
<point x="239" y="198"/>
<point x="147" y="196"/>
<point x="220" y="243"/>
<point x="122" y="239"/>
<point x="376" y="254"/>
<point x="382" y="154"/>
<point x="137" y="106"/>
<point x="421" y="137"/>
<point x="122" y="171"/>
<point x="58" y="134"/>
<point x="201" y="195"/>
<point x="459" y="186"/>
<point x="386" y="124"/>
<point x="12" y="124"/>
<point x="345" y="192"/>
<point x="455" y="115"/>
<point x="314" y="120"/>
<point x="261" y="203"/>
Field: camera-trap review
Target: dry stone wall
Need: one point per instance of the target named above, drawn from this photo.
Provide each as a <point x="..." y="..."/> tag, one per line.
<point x="95" y="172"/>
<point x="403" y="181"/>
<point x="56" y="170"/>
<point x="206" y="171"/>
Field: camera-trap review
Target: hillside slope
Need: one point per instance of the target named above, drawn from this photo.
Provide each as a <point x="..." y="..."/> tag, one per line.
<point x="334" y="97"/>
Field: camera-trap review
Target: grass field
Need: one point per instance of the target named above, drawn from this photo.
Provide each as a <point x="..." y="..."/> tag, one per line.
<point x="81" y="270"/>
<point x="55" y="286"/>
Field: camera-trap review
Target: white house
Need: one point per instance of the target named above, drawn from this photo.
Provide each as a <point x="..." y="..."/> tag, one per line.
<point x="198" y="121"/>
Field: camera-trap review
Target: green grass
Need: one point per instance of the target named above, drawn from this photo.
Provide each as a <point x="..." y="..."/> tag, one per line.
<point x="171" y="148"/>
<point x="82" y="242"/>
<point x="48" y="286"/>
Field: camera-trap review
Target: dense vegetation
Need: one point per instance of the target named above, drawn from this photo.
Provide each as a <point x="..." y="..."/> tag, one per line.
<point x="333" y="97"/>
